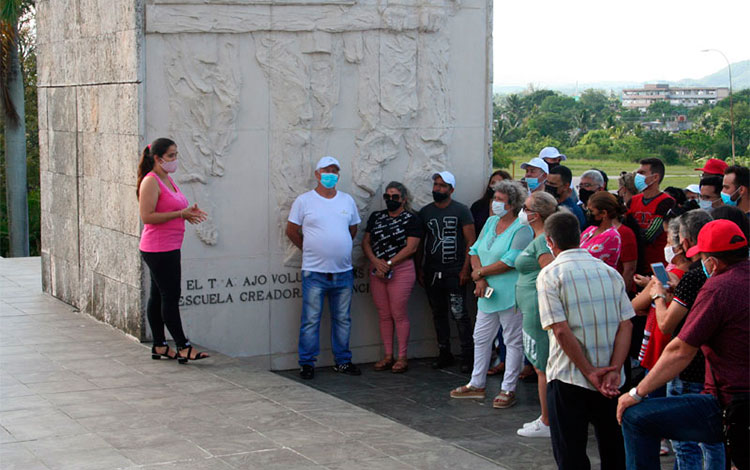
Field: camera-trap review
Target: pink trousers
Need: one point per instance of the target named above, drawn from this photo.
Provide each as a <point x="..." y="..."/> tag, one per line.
<point x="391" y="297"/>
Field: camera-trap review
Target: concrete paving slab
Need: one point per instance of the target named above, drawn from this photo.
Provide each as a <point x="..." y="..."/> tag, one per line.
<point x="78" y="394"/>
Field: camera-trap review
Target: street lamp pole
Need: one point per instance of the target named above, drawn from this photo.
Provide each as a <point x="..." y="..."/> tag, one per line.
<point x="731" y="107"/>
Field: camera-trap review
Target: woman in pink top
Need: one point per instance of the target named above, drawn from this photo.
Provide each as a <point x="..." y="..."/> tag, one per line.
<point x="164" y="210"/>
<point x="601" y="238"/>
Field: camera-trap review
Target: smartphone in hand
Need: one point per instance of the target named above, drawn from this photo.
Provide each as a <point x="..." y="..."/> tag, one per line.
<point x="661" y="274"/>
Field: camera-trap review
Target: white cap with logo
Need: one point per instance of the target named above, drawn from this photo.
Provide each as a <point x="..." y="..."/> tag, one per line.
<point x="327" y="161"/>
<point x="551" y="152"/>
<point x="693" y="188"/>
<point x="447" y="176"/>
<point x="537" y="163"/>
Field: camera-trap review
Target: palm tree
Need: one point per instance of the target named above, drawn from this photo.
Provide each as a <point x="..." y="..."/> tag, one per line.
<point x="11" y="96"/>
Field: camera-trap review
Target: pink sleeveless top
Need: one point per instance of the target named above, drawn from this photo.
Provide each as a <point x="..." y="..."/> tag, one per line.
<point x="167" y="236"/>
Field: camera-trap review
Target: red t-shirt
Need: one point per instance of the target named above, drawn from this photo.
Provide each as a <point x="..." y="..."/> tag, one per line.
<point x="655" y="238"/>
<point x="657" y="339"/>
<point x="629" y="248"/>
<point x="719" y="323"/>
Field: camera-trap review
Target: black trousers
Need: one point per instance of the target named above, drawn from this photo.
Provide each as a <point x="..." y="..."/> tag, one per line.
<point x="571" y="409"/>
<point x="163" y="302"/>
<point x="447" y="300"/>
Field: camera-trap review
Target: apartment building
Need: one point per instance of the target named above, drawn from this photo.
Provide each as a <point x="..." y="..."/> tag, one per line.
<point x="642" y="98"/>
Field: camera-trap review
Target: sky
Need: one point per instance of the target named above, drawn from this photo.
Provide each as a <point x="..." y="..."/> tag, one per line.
<point x="547" y="42"/>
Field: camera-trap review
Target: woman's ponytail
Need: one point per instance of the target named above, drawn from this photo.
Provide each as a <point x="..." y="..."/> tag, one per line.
<point x="144" y="167"/>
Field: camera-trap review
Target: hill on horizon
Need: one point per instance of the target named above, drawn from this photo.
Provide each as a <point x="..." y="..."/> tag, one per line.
<point x="740" y="80"/>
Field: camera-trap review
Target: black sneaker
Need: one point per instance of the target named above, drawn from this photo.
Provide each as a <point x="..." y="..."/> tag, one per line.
<point x="307" y="372"/>
<point x="445" y="359"/>
<point x="347" y="368"/>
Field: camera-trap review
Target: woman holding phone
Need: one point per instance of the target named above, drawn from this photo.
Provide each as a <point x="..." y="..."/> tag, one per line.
<point x="390" y="242"/>
<point x="493" y="258"/>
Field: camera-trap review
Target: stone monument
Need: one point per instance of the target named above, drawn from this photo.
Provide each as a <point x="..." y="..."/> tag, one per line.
<point x="253" y="92"/>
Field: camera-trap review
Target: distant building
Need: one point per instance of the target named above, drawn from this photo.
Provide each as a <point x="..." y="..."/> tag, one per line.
<point x="642" y="98"/>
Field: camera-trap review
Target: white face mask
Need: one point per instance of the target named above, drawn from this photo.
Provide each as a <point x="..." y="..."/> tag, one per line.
<point x="669" y="253"/>
<point x="549" y="247"/>
<point x="705" y="205"/>
<point x="523" y="218"/>
<point x="498" y="208"/>
<point x="169" y="167"/>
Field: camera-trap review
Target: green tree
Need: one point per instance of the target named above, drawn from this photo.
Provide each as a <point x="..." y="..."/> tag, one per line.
<point x="14" y="225"/>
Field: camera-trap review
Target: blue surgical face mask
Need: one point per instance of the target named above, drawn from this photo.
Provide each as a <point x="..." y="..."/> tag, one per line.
<point x="727" y="198"/>
<point x="329" y="180"/>
<point x="640" y="182"/>
<point x="498" y="208"/>
<point x="705" y="271"/>
<point x="532" y="183"/>
<point x="705" y="205"/>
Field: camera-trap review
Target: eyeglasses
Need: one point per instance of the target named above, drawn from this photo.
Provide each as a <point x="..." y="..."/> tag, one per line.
<point x="391" y="197"/>
<point x="526" y="209"/>
<point x="588" y="186"/>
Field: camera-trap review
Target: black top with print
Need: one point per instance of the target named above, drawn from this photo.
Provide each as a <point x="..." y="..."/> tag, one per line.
<point x="685" y="294"/>
<point x="388" y="234"/>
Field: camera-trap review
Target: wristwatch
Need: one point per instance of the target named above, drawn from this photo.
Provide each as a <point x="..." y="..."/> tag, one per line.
<point x="656" y="296"/>
<point x="634" y="394"/>
<point x="389" y="263"/>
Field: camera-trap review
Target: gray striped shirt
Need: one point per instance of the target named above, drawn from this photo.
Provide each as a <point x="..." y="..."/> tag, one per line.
<point x="590" y="296"/>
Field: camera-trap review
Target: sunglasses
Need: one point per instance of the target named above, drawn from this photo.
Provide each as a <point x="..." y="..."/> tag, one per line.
<point x="391" y="197"/>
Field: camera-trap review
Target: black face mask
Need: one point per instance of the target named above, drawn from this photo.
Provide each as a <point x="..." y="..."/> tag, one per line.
<point x="392" y="205"/>
<point x="553" y="165"/>
<point x="490" y="193"/>
<point x="584" y="195"/>
<point x="591" y="220"/>
<point x="440" y="197"/>
<point x="552" y="190"/>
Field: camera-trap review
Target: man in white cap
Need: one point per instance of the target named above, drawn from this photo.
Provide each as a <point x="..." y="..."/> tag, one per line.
<point x="552" y="157"/>
<point x="536" y="174"/>
<point x="444" y="268"/>
<point x="323" y="223"/>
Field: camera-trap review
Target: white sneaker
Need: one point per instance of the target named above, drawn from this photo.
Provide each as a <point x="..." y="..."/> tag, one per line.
<point x="536" y="429"/>
<point x="526" y="425"/>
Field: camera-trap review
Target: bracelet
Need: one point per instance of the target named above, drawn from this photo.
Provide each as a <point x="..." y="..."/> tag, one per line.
<point x="182" y="214"/>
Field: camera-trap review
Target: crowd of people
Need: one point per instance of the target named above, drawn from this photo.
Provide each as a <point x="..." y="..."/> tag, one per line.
<point x="588" y="286"/>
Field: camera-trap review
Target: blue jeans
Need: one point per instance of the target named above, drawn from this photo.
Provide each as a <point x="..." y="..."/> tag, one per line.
<point x="684" y="418"/>
<point x="691" y="455"/>
<point x="338" y="288"/>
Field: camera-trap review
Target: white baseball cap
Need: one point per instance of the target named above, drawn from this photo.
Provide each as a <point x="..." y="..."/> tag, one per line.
<point x="537" y="163"/>
<point x="551" y="152"/>
<point x="693" y="188"/>
<point x="327" y="161"/>
<point x="447" y="177"/>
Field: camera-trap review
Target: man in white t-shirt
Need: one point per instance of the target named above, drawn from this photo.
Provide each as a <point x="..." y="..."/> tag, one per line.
<point x="323" y="223"/>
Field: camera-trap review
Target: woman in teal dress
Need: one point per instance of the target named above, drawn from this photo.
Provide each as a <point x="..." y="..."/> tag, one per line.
<point x="535" y="211"/>
<point x="493" y="257"/>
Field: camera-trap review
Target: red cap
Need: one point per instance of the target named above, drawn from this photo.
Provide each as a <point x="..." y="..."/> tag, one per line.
<point x="714" y="166"/>
<point x="717" y="236"/>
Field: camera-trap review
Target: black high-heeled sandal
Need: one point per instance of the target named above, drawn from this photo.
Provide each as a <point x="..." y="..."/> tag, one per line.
<point x="156" y="355"/>
<point x="184" y="360"/>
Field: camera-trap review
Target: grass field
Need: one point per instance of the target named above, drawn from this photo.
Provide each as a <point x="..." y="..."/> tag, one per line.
<point x="677" y="175"/>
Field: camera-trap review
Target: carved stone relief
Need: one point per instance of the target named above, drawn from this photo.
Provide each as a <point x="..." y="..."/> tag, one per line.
<point x="204" y="88"/>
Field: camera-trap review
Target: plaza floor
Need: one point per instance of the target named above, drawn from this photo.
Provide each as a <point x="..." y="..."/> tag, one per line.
<point x="78" y="394"/>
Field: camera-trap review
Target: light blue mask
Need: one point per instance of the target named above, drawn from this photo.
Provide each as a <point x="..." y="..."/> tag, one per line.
<point x="329" y="180"/>
<point x="640" y="182"/>
<point x="705" y="271"/>
<point x="532" y="183"/>
<point x="727" y="198"/>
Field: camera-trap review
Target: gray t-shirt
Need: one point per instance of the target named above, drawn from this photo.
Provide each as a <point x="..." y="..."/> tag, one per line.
<point x="444" y="243"/>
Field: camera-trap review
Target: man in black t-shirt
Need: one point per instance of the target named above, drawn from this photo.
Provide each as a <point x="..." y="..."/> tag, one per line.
<point x="444" y="269"/>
